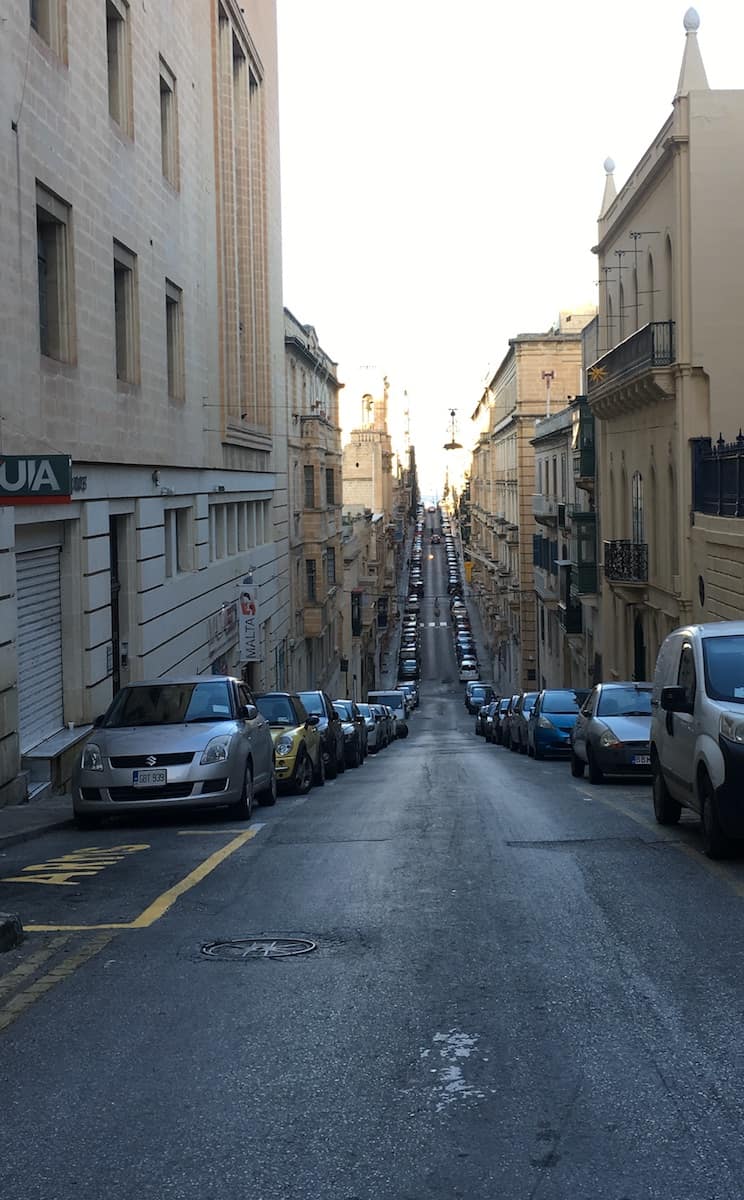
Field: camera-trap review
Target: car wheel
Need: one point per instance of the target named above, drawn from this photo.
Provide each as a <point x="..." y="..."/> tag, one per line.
<point x="715" y="842"/>
<point x="268" y="798"/>
<point x="303" y="776"/>
<point x="523" y="748"/>
<point x="340" y="761"/>
<point x="596" y="774"/>
<point x="530" y="751"/>
<point x="577" y="766"/>
<point x="243" y="809"/>
<point x="666" y="810"/>
<point x="538" y="752"/>
<point x="357" y="759"/>
<point x="319" y="776"/>
<point x="331" y="765"/>
<point x="513" y="746"/>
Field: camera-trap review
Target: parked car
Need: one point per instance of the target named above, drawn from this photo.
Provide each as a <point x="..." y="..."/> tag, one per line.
<point x="480" y="720"/>
<point x="372" y="724"/>
<point x="468" y="669"/>
<point x="477" y="693"/>
<point x="383" y="723"/>
<point x="506" y="721"/>
<point x="491" y="710"/>
<point x="352" y="736"/>
<point x="354" y="714"/>
<point x="329" y="727"/>
<point x="297" y="745"/>
<point x="411" y="689"/>
<point x="552" y="719"/>
<point x="498" y="717"/>
<point x="408" y="668"/>
<point x="518" y="722"/>
<point x="190" y="742"/>
<point x="396" y="701"/>
<point x="697" y="731"/>
<point x="612" y="733"/>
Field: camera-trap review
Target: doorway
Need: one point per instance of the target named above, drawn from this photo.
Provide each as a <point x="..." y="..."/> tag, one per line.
<point x="639" y="650"/>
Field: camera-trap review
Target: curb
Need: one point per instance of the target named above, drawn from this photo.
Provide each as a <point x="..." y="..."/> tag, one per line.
<point x="11" y="931"/>
<point x="27" y="835"/>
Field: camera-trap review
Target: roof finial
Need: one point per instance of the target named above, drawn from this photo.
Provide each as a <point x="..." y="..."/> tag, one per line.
<point x="610" y="191"/>
<point x="692" y="77"/>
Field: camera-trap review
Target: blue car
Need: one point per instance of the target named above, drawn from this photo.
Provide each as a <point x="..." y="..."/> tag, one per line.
<point x="552" y="719"/>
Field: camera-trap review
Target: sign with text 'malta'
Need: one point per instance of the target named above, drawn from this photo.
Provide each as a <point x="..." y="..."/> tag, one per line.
<point x="248" y="620"/>
<point x="27" y="479"/>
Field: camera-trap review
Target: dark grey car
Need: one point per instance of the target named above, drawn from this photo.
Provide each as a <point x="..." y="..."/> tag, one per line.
<point x="612" y="731"/>
<point x="191" y="742"/>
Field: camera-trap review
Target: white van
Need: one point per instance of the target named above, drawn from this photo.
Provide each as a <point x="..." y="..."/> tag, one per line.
<point x="397" y="701"/>
<point x="697" y="730"/>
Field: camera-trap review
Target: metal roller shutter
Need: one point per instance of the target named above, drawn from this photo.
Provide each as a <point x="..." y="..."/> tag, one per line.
<point x="39" y="645"/>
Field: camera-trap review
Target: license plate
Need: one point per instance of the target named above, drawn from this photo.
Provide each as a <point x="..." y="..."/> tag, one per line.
<point x="641" y="760"/>
<point x="150" y="778"/>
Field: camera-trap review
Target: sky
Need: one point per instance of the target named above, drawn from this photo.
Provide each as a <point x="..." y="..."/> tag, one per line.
<point x="442" y="173"/>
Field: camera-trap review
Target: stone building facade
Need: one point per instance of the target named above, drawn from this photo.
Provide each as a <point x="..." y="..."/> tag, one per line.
<point x="667" y="370"/>
<point x="141" y="337"/>
<point x="315" y="505"/>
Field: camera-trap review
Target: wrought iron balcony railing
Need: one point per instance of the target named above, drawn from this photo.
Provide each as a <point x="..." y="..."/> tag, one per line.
<point x="649" y="347"/>
<point x="718" y="476"/>
<point x="626" y="561"/>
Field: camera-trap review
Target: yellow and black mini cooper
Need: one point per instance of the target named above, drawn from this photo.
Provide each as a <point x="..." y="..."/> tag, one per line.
<point x="299" y="760"/>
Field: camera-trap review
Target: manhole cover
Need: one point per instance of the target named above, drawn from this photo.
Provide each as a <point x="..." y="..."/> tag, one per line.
<point x="259" y="947"/>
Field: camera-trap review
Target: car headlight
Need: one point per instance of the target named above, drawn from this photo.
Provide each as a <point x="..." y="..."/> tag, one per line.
<point x="608" y="741"/>
<point x="216" y="750"/>
<point x="284" y="744"/>
<point x="732" y="728"/>
<point x="92" y="759"/>
<point x="544" y="723"/>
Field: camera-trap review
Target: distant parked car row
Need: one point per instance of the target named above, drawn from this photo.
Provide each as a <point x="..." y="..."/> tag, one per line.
<point x="207" y="741"/>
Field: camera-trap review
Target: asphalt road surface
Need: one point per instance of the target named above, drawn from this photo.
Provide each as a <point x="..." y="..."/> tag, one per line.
<point x="522" y="988"/>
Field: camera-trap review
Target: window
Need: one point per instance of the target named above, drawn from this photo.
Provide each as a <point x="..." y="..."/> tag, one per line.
<point x="309" y="476"/>
<point x="311" y="580"/>
<point x="330" y="486"/>
<point x="356" y="614"/>
<point x="168" y="124"/>
<point x="637" y="502"/>
<point x="125" y="314"/>
<point x="54" y="260"/>
<point x="179" y="541"/>
<point x="47" y="19"/>
<point x="331" y="566"/>
<point x="119" y="64"/>
<point x="174" y="339"/>
<point x="686" y="676"/>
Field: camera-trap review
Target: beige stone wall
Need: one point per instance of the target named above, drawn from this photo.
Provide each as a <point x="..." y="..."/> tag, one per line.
<point x="718" y="559"/>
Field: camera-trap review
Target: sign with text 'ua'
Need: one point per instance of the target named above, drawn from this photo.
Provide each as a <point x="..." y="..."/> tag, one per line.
<point x="248" y="620"/>
<point x="27" y="479"/>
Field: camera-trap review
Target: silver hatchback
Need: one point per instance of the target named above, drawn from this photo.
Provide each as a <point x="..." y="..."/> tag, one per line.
<point x="193" y="742"/>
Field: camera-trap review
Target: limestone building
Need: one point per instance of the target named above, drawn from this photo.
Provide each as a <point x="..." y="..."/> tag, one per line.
<point x="667" y="369"/>
<point x="315" y="504"/>
<point x="141" y="359"/>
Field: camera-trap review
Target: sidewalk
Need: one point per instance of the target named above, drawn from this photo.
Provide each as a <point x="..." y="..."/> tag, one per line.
<point x="21" y="822"/>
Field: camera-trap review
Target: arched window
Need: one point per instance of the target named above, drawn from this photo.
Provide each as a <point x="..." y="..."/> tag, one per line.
<point x="611" y="508"/>
<point x="610" y="331"/>
<point x="652" y="534"/>
<point x="650" y="285"/>
<point x="634" y="300"/>
<point x="637" y="507"/>
<point x="673" y="521"/>
<point x="622" y="521"/>
<point x="669" y="289"/>
<point x="621" y="313"/>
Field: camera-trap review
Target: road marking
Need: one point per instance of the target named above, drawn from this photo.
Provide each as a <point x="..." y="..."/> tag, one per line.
<point x="30" y="964"/>
<point x="19" y="1003"/>
<point x="160" y="906"/>
<point x="69" y="869"/>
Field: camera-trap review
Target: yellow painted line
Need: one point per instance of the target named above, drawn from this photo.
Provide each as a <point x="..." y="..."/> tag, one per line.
<point x="159" y="907"/>
<point x="19" y="1003"/>
<point x="9" y="982"/>
<point x="713" y="868"/>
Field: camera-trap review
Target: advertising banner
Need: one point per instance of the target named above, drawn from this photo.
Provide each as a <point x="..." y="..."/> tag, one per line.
<point x="27" y="479"/>
<point x="248" y="620"/>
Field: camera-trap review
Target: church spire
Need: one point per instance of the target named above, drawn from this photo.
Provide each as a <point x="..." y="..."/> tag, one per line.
<point x="692" y="77"/>
<point x="610" y="191"/>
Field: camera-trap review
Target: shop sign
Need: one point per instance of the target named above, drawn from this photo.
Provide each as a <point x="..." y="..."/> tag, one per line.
<point x="247" y="613"/>
<point x="31" y="480"/>
<point x="222" y="630"/>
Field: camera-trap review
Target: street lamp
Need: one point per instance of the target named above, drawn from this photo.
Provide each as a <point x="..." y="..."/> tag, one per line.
<point x="452" y="444"/>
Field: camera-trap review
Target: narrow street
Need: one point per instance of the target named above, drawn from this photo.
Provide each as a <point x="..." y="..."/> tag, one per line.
<point x="522" y="987"/>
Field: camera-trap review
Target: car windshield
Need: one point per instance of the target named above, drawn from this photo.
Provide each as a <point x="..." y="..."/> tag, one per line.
<point x="278" y="710"/>
<point x="624" y="702"/>
<point x="342" y="710"/>
<point x="563" y="701"/>
<point x="529" y="701"/>
<point x="313" y="702"/>
<point x="170" y="704"/>
<point x="365" y="710"/>
<point x="723" y="660"/>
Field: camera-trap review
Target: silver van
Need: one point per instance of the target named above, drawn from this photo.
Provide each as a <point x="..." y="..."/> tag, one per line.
<point x="697" y="731"/>
<point x="397" y="701"/>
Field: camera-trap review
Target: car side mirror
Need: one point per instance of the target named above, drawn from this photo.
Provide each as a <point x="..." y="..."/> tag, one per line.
<point x="674" y="699"/>
<point x="247" y="712"/>
<point x="312" y="720"/>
